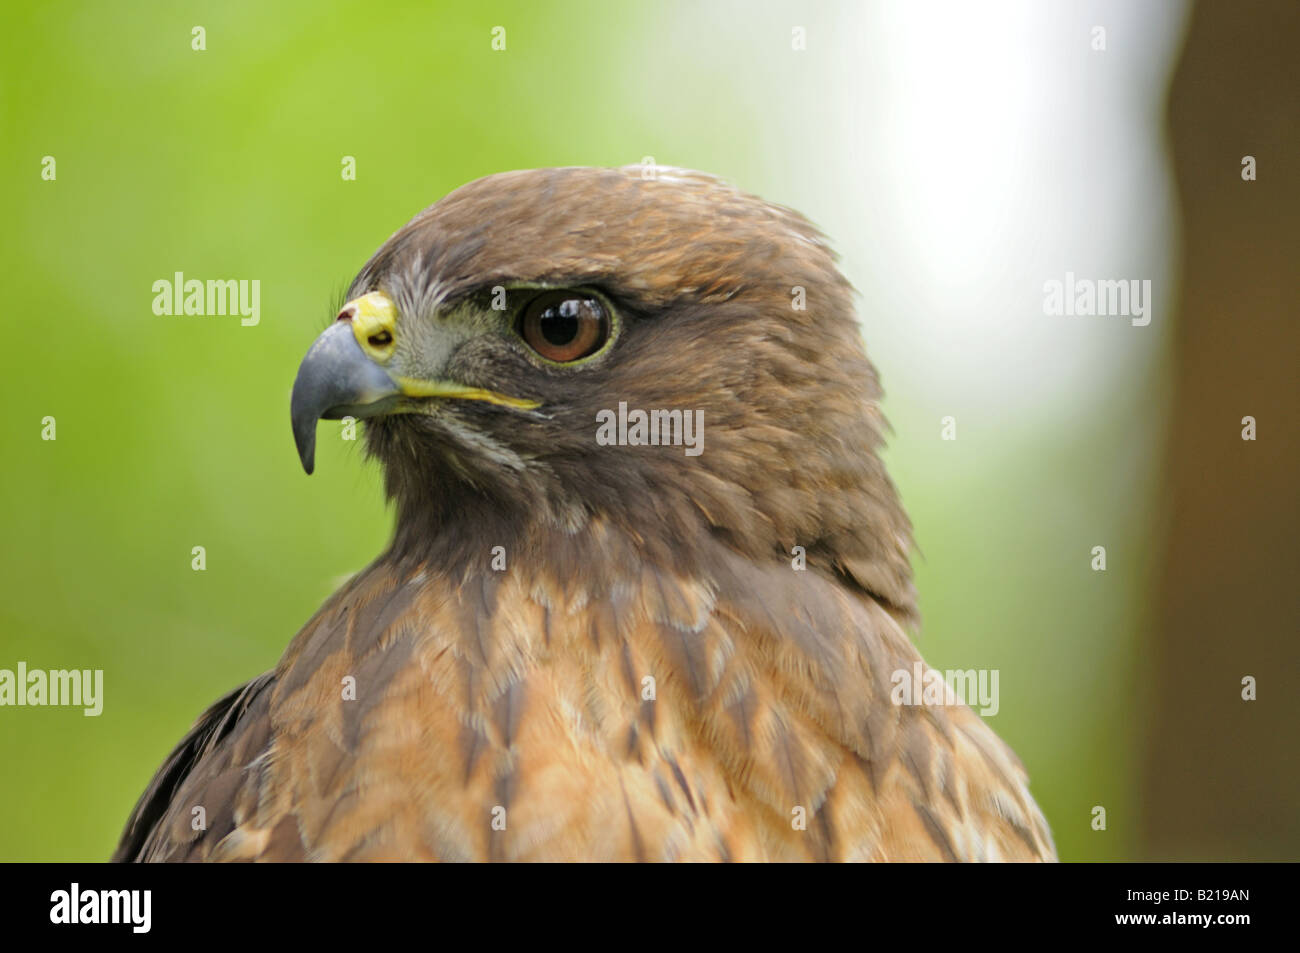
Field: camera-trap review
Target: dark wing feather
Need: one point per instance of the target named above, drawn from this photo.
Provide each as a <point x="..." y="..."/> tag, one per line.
<point x="212" y="727"/>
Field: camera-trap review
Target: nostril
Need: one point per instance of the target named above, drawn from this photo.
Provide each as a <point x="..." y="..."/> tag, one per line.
<point x="348" y="313"/>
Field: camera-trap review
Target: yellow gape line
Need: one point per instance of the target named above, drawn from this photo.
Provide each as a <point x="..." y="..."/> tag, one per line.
<point x="413" y="387"/>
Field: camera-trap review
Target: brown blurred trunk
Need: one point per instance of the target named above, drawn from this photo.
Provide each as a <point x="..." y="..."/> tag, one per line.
<point x="1221" y="775"/>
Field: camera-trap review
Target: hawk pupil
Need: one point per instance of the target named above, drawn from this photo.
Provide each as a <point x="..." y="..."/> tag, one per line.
<point x="559" y="325"/>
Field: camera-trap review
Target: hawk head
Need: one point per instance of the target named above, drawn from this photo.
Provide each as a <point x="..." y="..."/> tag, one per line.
<point x="489" y="339"/>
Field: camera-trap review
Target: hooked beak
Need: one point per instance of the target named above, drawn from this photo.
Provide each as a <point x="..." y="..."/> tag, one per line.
<point x="336" y="380"/>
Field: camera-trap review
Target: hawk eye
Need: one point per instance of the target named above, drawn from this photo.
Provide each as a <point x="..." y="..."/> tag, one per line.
<point x="564" y="326"/>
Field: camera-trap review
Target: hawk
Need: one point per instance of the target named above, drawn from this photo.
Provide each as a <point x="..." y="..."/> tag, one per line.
<point x="626" y="649"/>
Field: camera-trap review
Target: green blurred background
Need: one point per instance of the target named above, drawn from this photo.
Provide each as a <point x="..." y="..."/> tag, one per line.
<point x="942" y="153"/>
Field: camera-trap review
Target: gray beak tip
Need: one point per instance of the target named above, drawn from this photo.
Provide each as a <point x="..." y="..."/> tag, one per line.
<point x="303" y="418"/>
<point x="307" y="454"/>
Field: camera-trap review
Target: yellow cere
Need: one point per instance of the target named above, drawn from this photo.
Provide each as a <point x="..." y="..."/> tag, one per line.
<point x="374" y="324"/>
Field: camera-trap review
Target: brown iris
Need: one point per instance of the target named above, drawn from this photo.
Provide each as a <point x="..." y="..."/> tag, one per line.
<point x="564" y="326"/>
